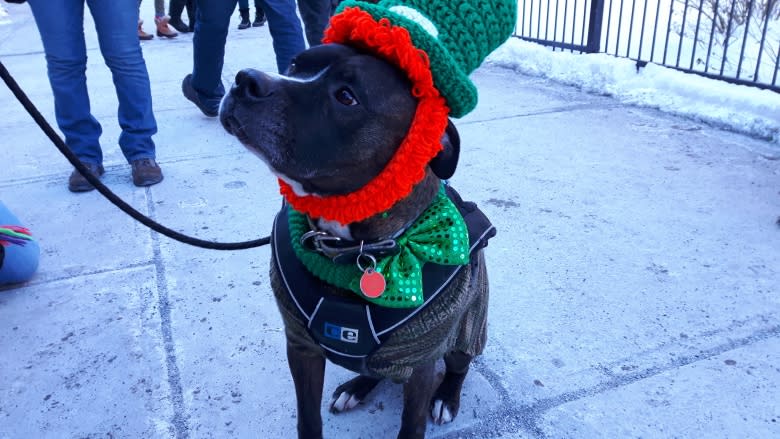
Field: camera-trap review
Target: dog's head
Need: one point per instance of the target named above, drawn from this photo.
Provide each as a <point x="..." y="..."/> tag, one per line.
<point x="332" y="123"/>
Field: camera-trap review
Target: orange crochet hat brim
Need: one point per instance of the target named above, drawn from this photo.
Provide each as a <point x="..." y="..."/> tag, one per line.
<point x="357" y="28"/>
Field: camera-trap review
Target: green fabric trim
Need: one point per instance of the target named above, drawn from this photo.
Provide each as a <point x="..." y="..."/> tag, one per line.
<point x="439" y="235"/>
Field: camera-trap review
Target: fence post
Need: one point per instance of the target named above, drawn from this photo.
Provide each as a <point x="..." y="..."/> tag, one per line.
<point x="594" y="26"/>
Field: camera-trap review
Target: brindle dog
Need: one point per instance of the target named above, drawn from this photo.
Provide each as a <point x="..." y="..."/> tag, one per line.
<point x="329" y="127"/>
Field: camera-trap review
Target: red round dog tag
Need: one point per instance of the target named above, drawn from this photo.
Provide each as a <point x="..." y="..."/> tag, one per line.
<point x="372" y="283"/>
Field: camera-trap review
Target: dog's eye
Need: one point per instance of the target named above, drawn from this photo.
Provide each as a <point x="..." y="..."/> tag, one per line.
<point x="345" y="97"/>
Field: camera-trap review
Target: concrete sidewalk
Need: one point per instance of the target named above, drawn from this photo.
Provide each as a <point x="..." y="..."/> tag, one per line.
<point x="634" y="279"/>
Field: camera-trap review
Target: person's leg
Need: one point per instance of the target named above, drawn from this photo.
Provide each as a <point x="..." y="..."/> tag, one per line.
<point x="191" y="14"/>
<point x="114" y="21"/>
<point x="142" y="35"/>
<point x="159" y="8"/>
<point x="243" y="9"/>
<point x="208" y="47"/>
<point x="18" y="262"/>
<point x="259" y="14"/>
<point x="61" y="25"/>
<point x="285" y="30"/>
<point x="175" y="9"/>
<point x="315" y="15"/>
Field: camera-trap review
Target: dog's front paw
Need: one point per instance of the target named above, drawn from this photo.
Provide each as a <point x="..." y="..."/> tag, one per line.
<point x="348" y="395"/>
<point x="442" y="412"/>
<point x="344" y="402"/>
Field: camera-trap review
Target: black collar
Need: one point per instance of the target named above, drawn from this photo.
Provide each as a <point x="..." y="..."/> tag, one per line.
<point x="346" y="251"/>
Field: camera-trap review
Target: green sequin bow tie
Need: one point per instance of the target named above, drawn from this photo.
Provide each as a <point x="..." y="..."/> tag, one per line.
<point x="439" y="235"/>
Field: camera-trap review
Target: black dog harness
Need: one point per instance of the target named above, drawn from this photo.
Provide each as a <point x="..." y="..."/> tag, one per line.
<point x="350" y="329"/>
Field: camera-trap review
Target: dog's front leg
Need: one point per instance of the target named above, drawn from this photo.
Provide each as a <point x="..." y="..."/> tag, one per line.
<point x="417" y="395"/>
<point x="308" y="374"/>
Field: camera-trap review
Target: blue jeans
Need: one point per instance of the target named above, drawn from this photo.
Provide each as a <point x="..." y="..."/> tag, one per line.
<point x="211" y="29"/>
<point x="61" y="25"/>
<point x="19" y="263"/>
<point x="315" y="15"/>
<point x="244" y="4"/>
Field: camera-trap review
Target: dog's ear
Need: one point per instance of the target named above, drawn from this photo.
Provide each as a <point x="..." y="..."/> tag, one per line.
<point x="446" y="161"/>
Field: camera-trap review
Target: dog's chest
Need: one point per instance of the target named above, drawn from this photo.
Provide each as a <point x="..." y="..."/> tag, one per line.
<point x="348" y="329"/>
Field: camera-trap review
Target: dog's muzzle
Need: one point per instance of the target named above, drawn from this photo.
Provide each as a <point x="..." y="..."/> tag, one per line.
<point x="250" y="87"/>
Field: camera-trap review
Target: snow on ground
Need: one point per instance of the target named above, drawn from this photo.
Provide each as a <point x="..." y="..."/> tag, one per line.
<point x="739" y="108"/>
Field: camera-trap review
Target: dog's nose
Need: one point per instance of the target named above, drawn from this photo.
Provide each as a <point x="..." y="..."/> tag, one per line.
<point x="252" y="84"/>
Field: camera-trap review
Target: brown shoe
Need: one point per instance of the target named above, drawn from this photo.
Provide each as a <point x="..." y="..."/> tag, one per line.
<point x="146" y="172"/>
<point x="162" y="27"/>
<point x="141" y="34"/>
<point x="78" y="183"/>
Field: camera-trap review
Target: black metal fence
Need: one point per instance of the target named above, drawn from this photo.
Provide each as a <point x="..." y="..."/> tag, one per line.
<point x="734" y="40"/>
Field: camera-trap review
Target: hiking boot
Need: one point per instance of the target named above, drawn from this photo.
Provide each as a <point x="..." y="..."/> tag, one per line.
<point x="192" y="94"/>
<point x="146" y="172"/>
<point x="141" y="34"/>
<point x="259" y="18"/>
<point x="162" y="27"/>
<point x="245" y="23"/>
<point x="79" y="183"/>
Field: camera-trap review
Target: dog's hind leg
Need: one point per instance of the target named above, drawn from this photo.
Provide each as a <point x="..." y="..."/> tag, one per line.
<point x="446" y="400"/>
<point x="352" y="393"/>
<point x="417" y="395"/>
<point x="308" y="374"/>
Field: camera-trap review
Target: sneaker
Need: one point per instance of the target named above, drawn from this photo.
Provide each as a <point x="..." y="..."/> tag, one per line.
<point x="192" y="94"/>
<point x="79" y="183"/>
<point x="146" y="172"/>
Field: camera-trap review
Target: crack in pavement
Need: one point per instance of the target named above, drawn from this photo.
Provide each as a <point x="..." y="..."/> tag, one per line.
<point x="512" y="419"/>
<point x="553" y="110"/>
<point x="180" y="417"/>
<point x="36" y="281"/>
<point x="110" y="170"/>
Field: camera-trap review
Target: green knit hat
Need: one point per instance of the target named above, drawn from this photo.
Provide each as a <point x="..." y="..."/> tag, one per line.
<point x="457" y="35"/>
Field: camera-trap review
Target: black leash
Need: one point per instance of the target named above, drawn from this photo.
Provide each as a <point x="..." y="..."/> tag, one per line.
<point x="106" y="192"/>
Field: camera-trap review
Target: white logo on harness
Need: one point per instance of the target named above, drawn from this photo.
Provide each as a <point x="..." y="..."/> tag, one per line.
<point x="347" y="335"/>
